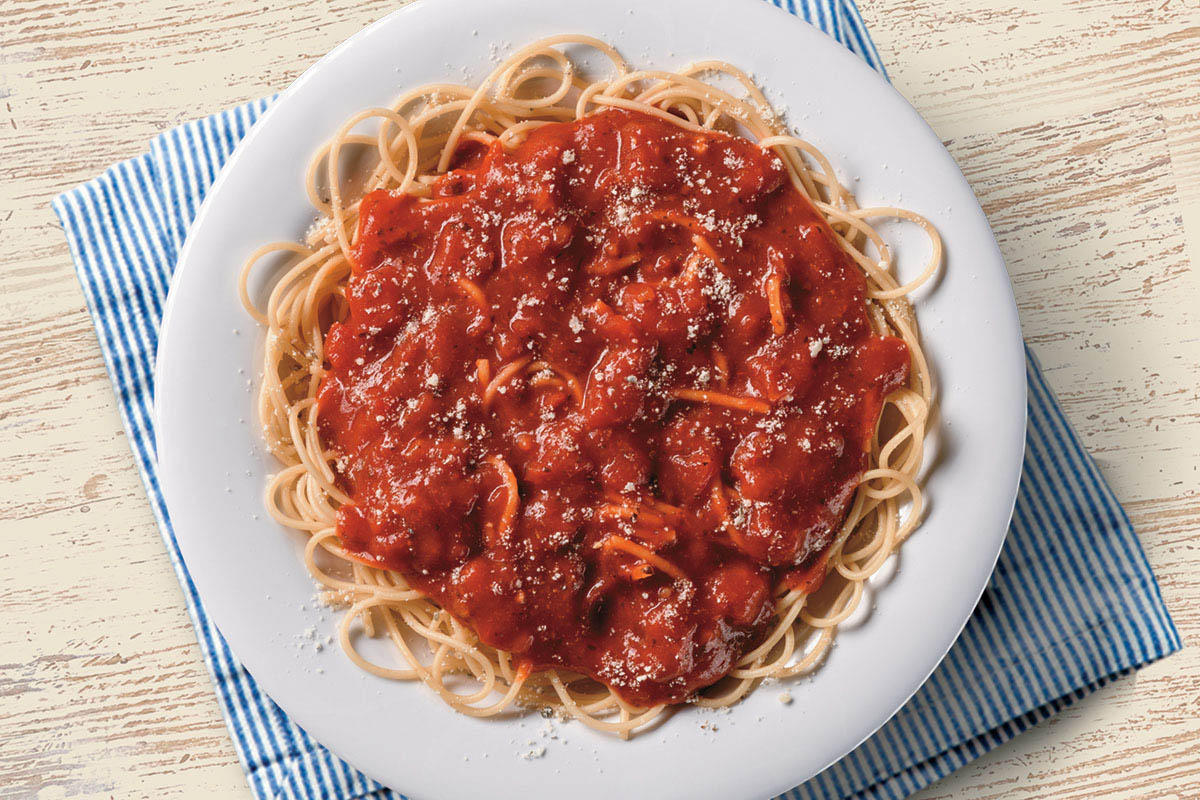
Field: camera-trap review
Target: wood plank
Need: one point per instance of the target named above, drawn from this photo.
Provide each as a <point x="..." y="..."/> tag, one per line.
<point x="1076" y="122"/>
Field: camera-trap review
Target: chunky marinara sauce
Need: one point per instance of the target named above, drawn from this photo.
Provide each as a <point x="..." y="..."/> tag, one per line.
<point x="679" y="451"/>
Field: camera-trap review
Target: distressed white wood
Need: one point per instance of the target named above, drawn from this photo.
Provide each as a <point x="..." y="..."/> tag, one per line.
<point x="1077" y="123"/>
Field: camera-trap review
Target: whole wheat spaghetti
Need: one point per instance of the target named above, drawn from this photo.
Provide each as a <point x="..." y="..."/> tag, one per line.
<point x="422" y="136"/>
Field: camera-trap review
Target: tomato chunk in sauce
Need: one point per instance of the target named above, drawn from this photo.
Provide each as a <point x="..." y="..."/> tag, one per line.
<point x="602" y="394"/>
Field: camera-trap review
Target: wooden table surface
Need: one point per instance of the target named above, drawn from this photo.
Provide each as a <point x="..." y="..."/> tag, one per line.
<point x="1077" y="123"/>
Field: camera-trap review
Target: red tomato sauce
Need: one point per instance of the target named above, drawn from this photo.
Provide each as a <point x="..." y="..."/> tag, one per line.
<point x="601" y="268"/>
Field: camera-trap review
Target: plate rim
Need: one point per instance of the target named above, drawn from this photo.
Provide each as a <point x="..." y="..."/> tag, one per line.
<point x="169" y="481"/>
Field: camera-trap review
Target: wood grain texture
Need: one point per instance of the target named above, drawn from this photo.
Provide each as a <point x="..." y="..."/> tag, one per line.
<point x="1077" y="123"/>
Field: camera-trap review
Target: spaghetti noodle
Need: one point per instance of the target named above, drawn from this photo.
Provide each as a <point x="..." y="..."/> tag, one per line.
<point x="427" y="143"/>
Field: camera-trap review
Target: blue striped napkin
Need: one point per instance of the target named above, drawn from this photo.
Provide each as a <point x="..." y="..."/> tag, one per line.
<point x="1072" y="604"/>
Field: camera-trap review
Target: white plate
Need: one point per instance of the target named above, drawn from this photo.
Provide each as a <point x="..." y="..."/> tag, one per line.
<point x="248" y="570"/>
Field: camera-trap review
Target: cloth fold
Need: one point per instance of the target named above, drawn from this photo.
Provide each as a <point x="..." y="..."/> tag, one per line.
<point x="1072" y="604"/>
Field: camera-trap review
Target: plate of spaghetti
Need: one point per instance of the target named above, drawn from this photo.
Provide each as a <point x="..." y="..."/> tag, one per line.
<point x="629" y="402"/>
